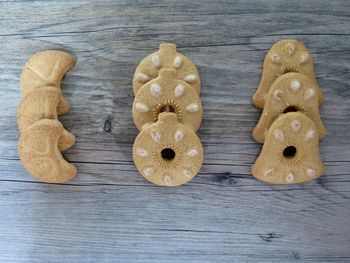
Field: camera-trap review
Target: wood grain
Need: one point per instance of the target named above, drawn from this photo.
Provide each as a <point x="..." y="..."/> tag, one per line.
<point x="109" y="213"/>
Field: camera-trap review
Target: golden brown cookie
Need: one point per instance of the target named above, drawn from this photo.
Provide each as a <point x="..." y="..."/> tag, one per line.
<point x="47" y="68"/>
<point x="168" y="153"/>
<point x="38" y="151"/>
<point x="167" y="93"/>
<point x="289" y="93"/>
<point x="285" y="56"/>
<point x="166" y="57"/>
<point x="42" y="103"/>
<point x="290" y="153"/>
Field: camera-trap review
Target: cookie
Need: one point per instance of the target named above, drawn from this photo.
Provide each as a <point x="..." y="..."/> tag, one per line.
<point x="289" y="93"/>
<point x="290" y="153"/>
<point x="42" y="103"/>
<point x="38" y="151"/>
<point x="47" y="68"/>
<point x="166" y="57"/>
<point x="285" y="56"/>
<point x="168" y="153"/>
<point x="167" y="93"/>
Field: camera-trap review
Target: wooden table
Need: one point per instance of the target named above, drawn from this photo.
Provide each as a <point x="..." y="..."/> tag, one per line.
<point x="109" y="213"/>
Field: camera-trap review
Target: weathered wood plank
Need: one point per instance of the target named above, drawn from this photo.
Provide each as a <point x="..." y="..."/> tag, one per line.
<point x="109" y="212"/>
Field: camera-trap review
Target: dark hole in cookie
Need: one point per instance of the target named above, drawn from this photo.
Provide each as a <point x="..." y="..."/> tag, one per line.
<point x="290" y="109"/>
<point x="167" y="108"/>
<point x="289" y="152"/>
<point x="168" y="154"/>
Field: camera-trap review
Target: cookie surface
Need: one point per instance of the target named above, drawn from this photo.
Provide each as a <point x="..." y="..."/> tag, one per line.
<point x="290" y="92"/>
<point x="38" y="151"/>
<point x="42" y="103"/>
<point x="47" y="68"/>
<point x="166" y="57"/>
<point x="168" y="153"/>
<point x="285" y="56"/>
<point x="290" y="153"/>
<point x="167" y="93"/>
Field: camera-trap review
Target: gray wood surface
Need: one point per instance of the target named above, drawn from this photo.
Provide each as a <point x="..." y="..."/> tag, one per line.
<point x="109" y="213"/>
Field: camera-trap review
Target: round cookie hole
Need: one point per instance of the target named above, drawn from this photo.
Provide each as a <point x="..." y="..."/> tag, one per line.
<point x="290" y="109"/>
<point x="167" y="108"/>
<point x="168" y="154"/>
<point x="289" y="152"/>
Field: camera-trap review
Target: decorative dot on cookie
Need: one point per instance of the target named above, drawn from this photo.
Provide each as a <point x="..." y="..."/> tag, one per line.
<point x="174" y="152"/>
<point x="295" y="85"/>
<point x="141" y="107"/>
<point x="156" y="61"/>
<point x="290" y="178"/>
<point x="269" y="172"/>
<point x="296" y="125"/>
<point x="295" y="94"/>
<point x="293" y="159"/>
<point x="141" y="152"/>
<point x="142" y="77"/>
<point x="290" y="48"/>
<point x="310" y="134"/>
<point x="47" y="68"/>
<point x="310" y="172"/>
<point x="179" y="90"/>
<point x="285" y="56"/>
<point x="275" y="58"/>
<point x="304" y="58"/>
<point x="42" y="103"/>
<point x="177" y="62"/>
<point x="39" y="153"/>
<point x="166" y="93"/>
<point x="156" y="90"/>
<point x="166" y="57"/>
<point x="179" y="135"/>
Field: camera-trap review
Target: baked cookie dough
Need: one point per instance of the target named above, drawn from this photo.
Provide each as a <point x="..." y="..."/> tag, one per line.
<point x="167" y="93"/>
<point x="285" y="56"/>
<point x="290" y="153"/>
<point x="166" y="57"/>
<point x="168" y="153"/>
<point x="291" y="92"/>
<point x="42" y="103"/>
<point x="47" y="68"/>
<point x="39" y="153"/>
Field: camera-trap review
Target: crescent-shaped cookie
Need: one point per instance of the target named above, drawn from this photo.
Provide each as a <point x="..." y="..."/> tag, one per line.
<point x="290" y="92"/>
<point x="42" y="103"/>
<point x="167" y="93"/>
<point x="285" y="56"/>
<point x="47" y="68"/>
<point x="39" y="153"/>
<point x="168" y="153"/>
<point x="290" y="153"/>
<point x="166" y="57"/>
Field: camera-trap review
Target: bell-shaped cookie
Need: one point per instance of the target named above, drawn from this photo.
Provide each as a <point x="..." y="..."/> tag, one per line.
<point x="168" y="153"/>
<point x="290" y="153"/>
<point x="285" y="56"/>
<point x="47" y="68"/>
<point x="291" y="92"/>
<point x="167" y="93"/>
<point x="42" y="103"/>
<point x="39" y="153"/>
<point x="166" y="57"/>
